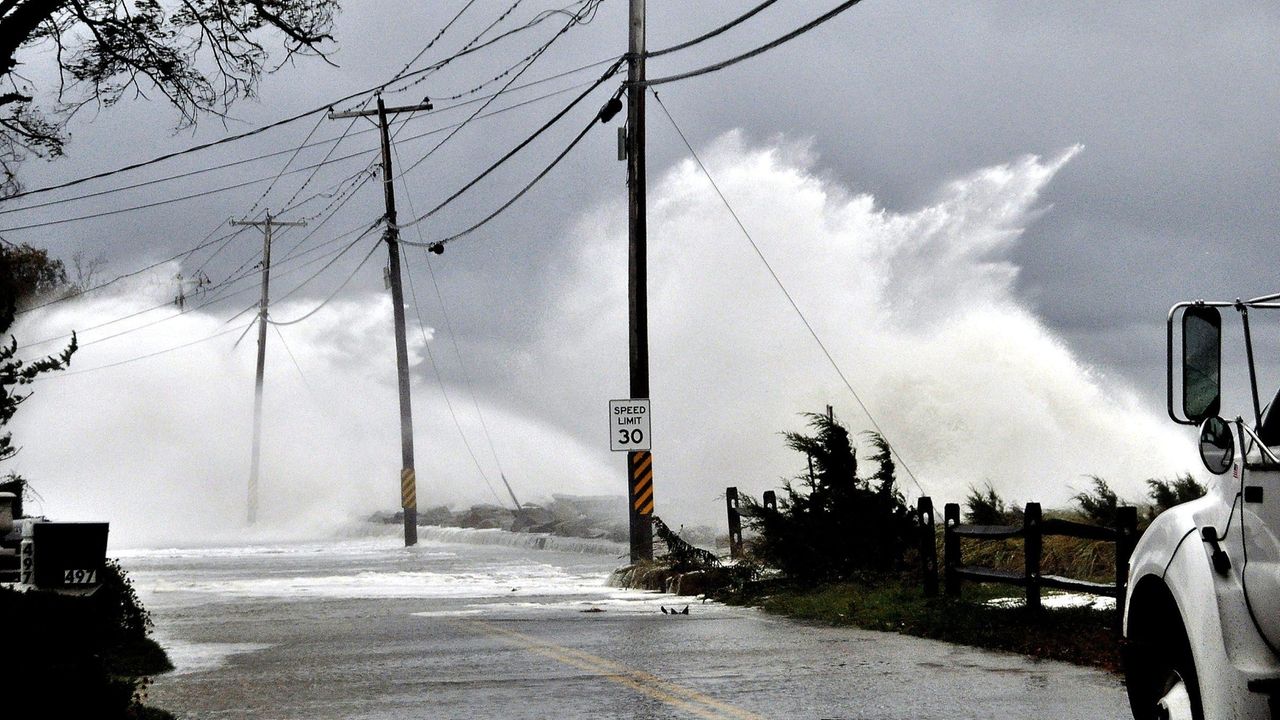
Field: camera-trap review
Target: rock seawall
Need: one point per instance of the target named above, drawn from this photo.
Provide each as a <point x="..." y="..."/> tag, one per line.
<point x="663" y="578"/>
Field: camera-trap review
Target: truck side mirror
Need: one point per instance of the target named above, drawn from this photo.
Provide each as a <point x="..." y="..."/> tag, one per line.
<point x="1217" y="445"/>
<point x="1201" y="363"/>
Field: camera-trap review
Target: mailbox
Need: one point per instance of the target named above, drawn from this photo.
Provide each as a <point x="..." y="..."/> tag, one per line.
<point x="65" y="555"/>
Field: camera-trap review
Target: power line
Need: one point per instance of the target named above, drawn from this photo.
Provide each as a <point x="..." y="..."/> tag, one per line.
<point x="289" y="162"/>
<point x="169" y="201"/>
<point x="117" y="279"/>
<point x="424" y="73"/>
<point x="336" y="290"/>
<point x="194" y="308"/>
<point x="439" y="35"/>
<point x="264" y="128"/>
<point x="524" y="143"/>
<point x="708" y="35"/>
<point x="444" y="241"/>
<point x="777" y="280"/>
<point x="296" y="366"/>
<point x="499" y="76"/>
<point x="466" y="376"/>
<point x="417" y="306"/>
<point x="528" y="63"/>
<point x="762" y="49"/>
<point x="440" y="380"/>
<point x="328" y="141"/>
<point x="136" y="359"/>
<point x="328" y="161"/>
<point x="66" y="336"/>
<point x="334" y="148"/>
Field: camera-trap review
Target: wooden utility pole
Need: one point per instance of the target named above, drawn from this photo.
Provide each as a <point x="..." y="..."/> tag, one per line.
<point x="408" y="475"/>
<point x="256" y="455"/>
<point x="639" y="464"/>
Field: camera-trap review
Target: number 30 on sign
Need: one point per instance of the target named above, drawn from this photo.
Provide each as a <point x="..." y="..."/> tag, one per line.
<point x="629" y="425"/>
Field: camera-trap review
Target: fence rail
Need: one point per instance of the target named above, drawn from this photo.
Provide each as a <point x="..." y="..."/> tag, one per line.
<point x="1032" y="532"/>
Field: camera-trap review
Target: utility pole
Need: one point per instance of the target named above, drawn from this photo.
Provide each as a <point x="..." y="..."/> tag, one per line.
<point x="408" y="475"/>
<point x="639" y="464"/>
<point x="256" y="456"/>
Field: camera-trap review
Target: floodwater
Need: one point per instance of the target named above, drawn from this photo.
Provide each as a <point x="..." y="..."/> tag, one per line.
<point x="480" y="624"/>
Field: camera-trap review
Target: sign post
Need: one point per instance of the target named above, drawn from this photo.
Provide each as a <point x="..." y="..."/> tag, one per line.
<point x="629" y="432"/>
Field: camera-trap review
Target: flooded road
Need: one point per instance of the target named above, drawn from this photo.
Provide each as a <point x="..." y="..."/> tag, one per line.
<point x="366" y="629"/>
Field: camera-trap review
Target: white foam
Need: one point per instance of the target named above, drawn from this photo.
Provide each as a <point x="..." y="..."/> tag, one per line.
<point x="194" y="657"/>
<point x="1059" y="600"/>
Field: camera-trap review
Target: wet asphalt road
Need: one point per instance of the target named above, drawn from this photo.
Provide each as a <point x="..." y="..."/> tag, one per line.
<point x="274" y="637"/>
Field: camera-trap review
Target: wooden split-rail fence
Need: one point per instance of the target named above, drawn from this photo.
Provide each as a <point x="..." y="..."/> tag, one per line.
<point x="1034" y="528"/>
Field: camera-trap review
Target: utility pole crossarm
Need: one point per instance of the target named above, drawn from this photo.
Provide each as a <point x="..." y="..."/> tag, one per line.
<point x="389" y="111"/>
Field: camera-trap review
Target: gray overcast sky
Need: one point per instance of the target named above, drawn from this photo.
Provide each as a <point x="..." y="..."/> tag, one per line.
<point x="1175" y="106"/>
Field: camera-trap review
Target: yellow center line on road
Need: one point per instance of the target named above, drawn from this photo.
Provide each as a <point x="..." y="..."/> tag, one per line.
<point x="645" y="683"/>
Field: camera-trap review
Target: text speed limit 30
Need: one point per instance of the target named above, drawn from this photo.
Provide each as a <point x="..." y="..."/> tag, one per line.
<point x="629" y="425"/>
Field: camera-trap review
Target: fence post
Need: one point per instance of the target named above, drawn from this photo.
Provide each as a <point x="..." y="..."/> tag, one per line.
<point x="770" y="501"/>
<point x="1126" y="538"/>
<point x="735" y="522"/>
<point x="1032" y="540"/>
<point x="928" y="546"/>
<point x="950" y="549"/>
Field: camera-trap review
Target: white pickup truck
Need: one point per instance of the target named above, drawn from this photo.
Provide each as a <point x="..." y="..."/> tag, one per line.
<point x="1202" y="613"/>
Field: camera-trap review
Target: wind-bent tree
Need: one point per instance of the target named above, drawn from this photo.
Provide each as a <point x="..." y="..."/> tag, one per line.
<point x="831" y="524"/>
<point x="198" y="55"/>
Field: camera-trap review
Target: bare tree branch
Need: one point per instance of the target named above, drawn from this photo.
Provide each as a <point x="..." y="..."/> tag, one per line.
<point x="199" y="55"/>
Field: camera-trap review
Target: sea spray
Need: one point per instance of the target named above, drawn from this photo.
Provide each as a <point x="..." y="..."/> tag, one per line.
<point x="920" y="308"/>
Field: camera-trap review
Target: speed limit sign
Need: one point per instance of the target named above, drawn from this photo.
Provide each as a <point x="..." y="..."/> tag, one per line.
<point x="629" y="425"/>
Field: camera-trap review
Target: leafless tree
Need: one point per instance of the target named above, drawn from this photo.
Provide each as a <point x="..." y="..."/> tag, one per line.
<point x="85" y="269"/>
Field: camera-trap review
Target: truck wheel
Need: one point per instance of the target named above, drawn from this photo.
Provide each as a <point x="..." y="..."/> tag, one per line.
<point x="1161" y="678"/>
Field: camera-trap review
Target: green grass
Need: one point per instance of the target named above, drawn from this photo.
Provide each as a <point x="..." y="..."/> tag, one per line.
<point x="897" y="604"/>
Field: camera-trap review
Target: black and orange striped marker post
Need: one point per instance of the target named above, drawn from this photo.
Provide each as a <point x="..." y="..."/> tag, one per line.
<point x="640" y="472"/>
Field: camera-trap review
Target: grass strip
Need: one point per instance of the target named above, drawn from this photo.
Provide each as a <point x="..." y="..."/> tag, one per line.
<point x="1082" y="635"/>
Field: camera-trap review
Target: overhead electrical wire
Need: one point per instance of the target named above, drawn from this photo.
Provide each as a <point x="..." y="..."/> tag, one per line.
<point x="446" y="240"/>
<point x="328" y="141"/>
<point x="757" y="51"/>
<point x="170" y="201"/>
<point x="448" y="403"/>
<point x="778" y="281"/>
<point x="330" y="264"/>
<point x="477" y="88"/>
<point x="419" y="76"/>
<point x="263" y="128"/>
<point x="226" y="240"/>
<point x="457" y="351"/>
<point x="528" y="63"/>
<point x="305" y="183"/>
<point x="433" y="40"/>
<point x="116" y="279"/>
<point x="336" y="290"/>
<point x="289" y="162"/>
<point x="296" y="366"/>
<point x="708" y="35"/>
<point x="234" y="277"/>
<point x="217" y="298"/>
<point x="330" y="211"/>
<point x="523" y="144"/>
<point x="72" y="373"/>
<point x="417" y="307"/>
<point x="329" y="161"/>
